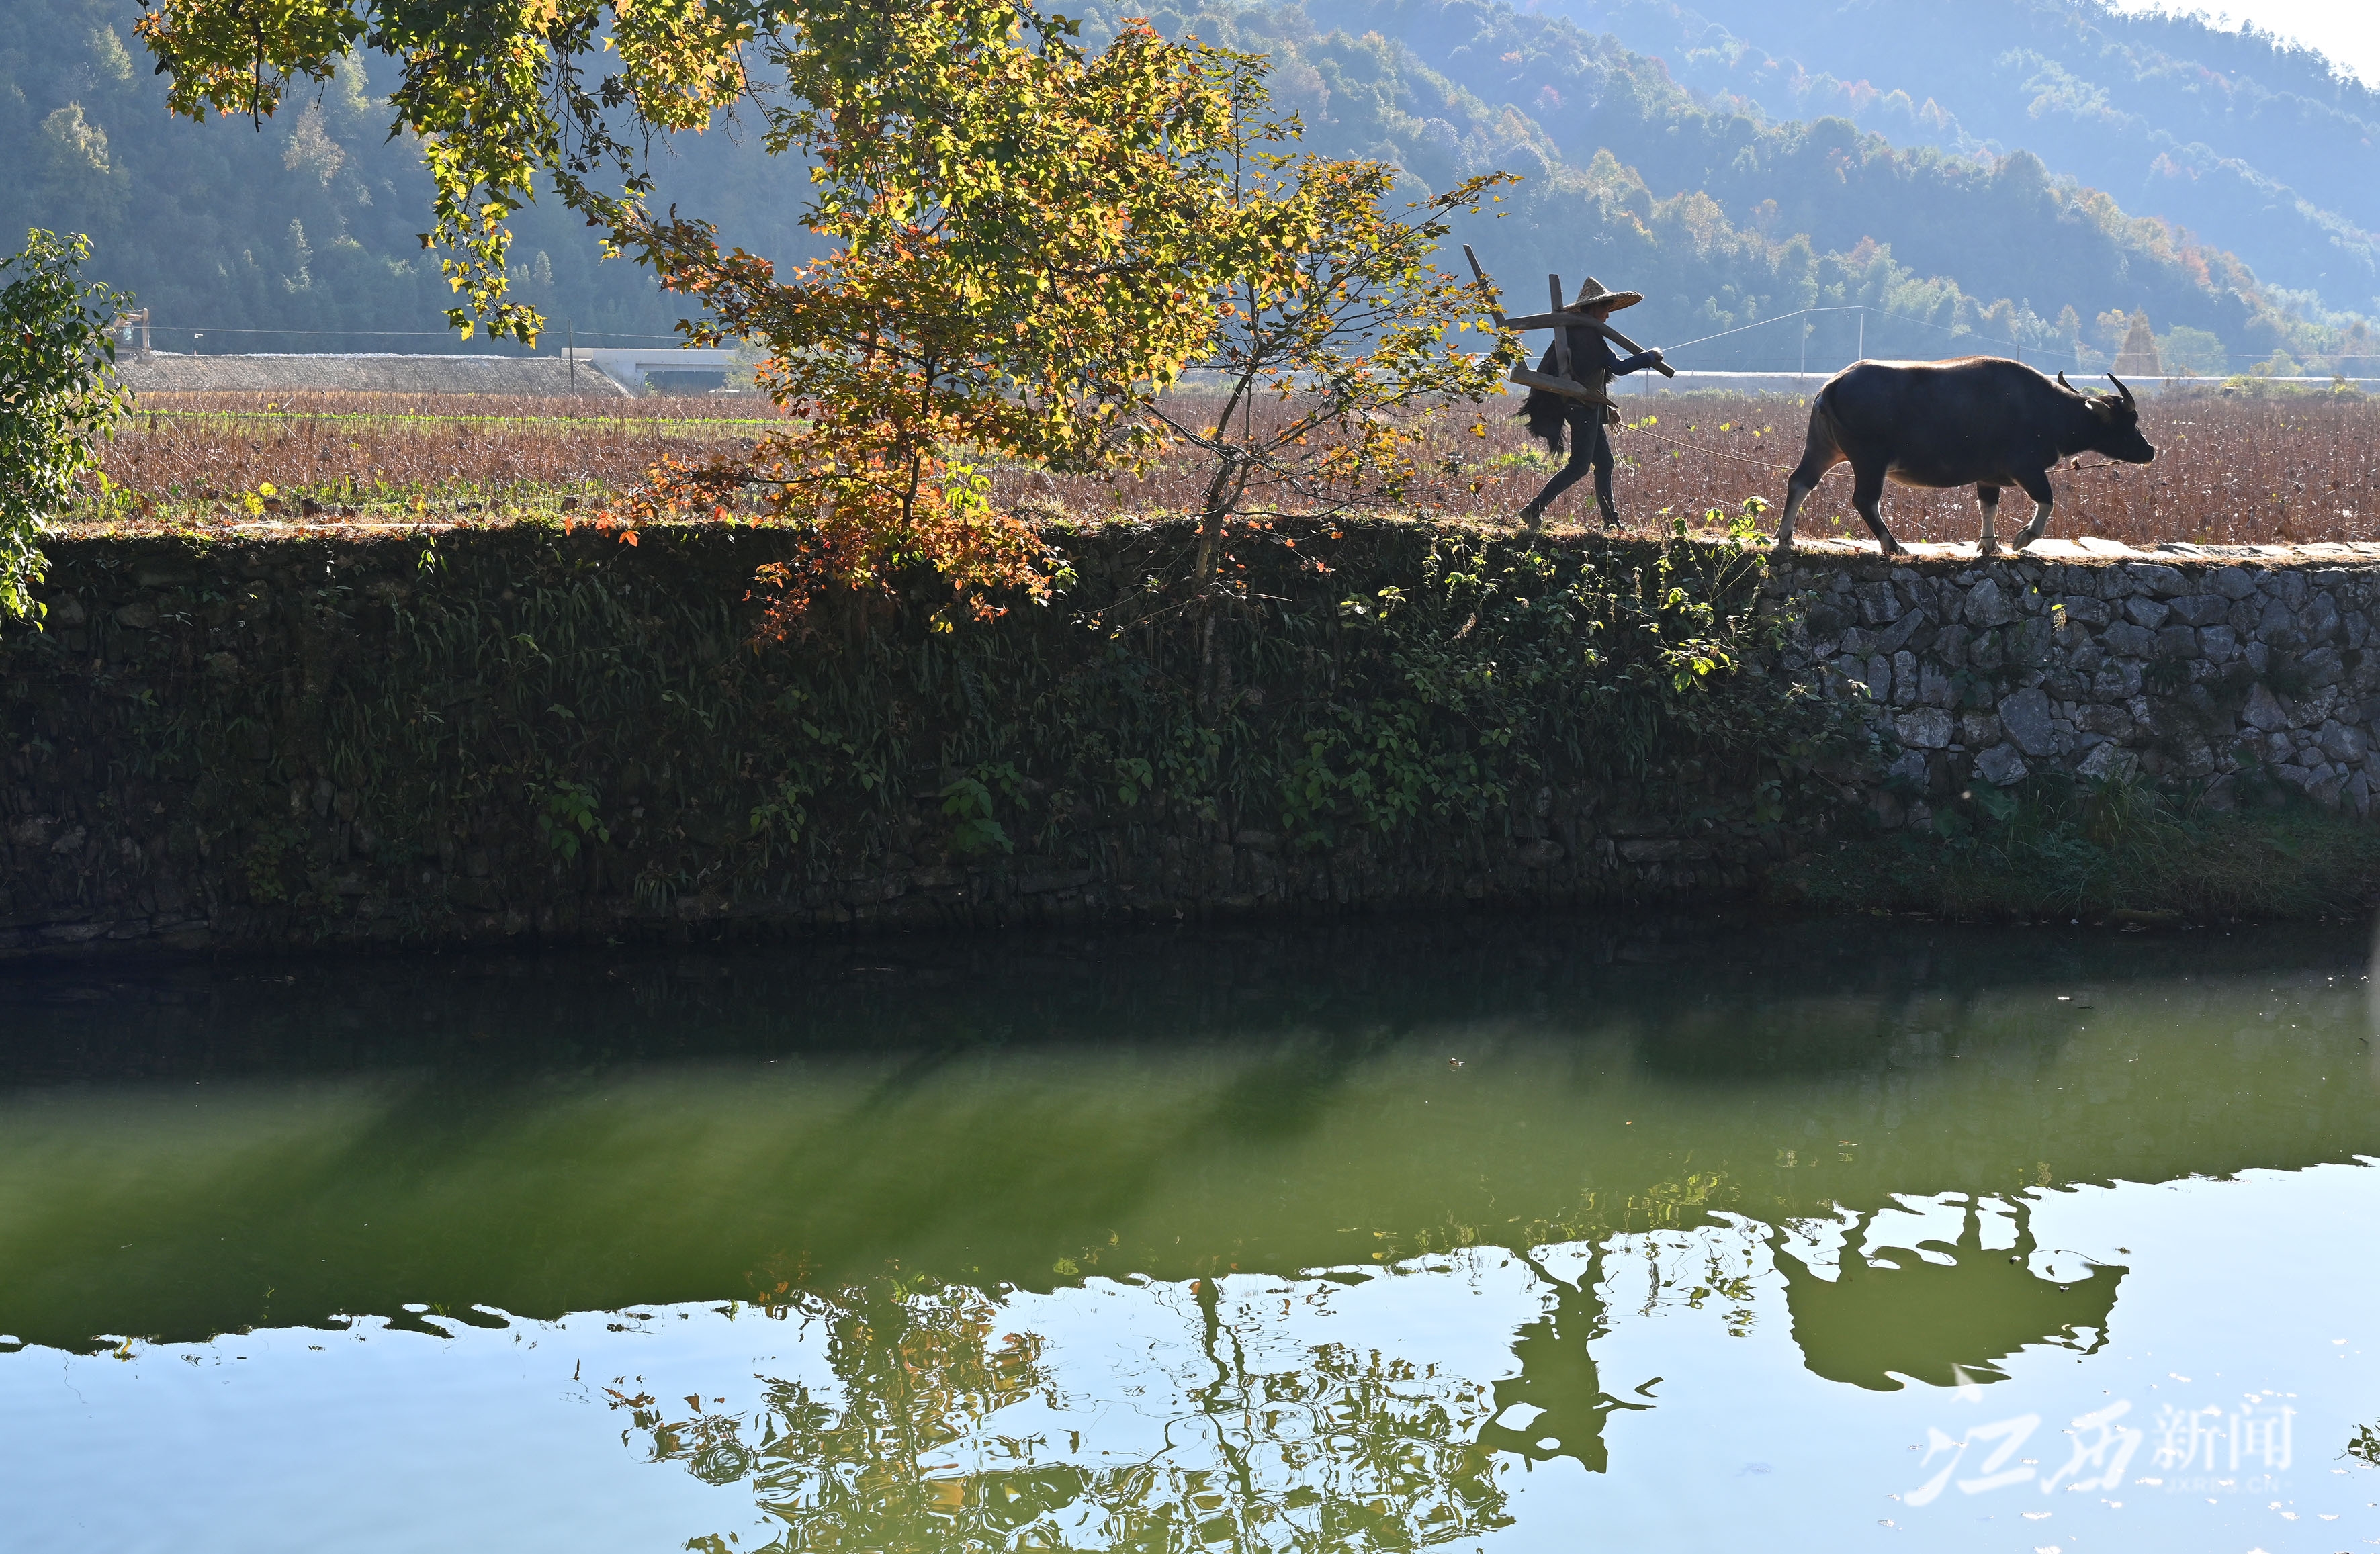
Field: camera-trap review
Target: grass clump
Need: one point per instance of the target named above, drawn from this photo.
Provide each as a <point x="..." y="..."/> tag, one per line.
<point x="2120" y="848"/>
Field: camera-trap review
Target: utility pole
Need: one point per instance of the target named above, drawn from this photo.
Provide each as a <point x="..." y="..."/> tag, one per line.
<point x="1863" y="345"/>
<point x="570" y="334"/>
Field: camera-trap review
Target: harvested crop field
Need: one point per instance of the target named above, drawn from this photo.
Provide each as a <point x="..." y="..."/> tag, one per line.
<point x="2240" y="468"/>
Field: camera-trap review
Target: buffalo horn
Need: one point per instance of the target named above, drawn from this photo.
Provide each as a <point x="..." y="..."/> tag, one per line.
<point x="2123" y="390"/>
<point x="2064" y="384"/>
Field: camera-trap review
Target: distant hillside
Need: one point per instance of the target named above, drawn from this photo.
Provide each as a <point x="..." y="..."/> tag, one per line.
<point x="301" y="236"/>
<point x="1725" y="216"/>
<point x="2257" y="147"/>
<point x="1723" y="203"/>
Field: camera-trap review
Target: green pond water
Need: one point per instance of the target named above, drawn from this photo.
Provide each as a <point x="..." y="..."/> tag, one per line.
<point x="1535" y="1234"/>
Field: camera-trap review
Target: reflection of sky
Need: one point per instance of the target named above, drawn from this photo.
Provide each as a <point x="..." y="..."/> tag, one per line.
<point x="501" y="1438"/>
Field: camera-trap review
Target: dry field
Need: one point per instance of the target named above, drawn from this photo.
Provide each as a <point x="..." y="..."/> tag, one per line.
<point x="2231" y="469"/>
<point x="196" y="456"/>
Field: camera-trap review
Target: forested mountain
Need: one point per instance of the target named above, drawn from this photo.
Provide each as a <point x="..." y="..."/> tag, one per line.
<point x="1695" y="177"/>
<point x="299" y="235"/>
<point x="2257" y="146"/>
<point x="1724" y="216"/>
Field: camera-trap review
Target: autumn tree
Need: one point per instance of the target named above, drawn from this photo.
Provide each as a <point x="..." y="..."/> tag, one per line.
<point x="1021" y="238"/>
<point x="1018" y="231"/>
<point x="59" y="399"/>
<point x="1334" y="335"/>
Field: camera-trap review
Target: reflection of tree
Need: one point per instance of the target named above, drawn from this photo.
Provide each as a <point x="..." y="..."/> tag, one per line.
<point x="1909" y="1314"/>
<point x="1322" y="1447"/>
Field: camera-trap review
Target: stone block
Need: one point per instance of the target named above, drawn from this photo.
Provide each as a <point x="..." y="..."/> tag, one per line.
<point x="2341" y="742"/>
<point x="1904" y="678"/>
<point x="2234" y="582"/>
<point x="2325" y="666"/>
<point x="2264" y="710"/>
<point x="2319" y="618"/>
<point x="2125" y="639"/>
<point x="2001" y="766"/>
<point x="1979" y="730"/>
<point x="1878" y="604"/>
<point x="2217" y="643"/>
<point x="2277" y="623"/>
<point x="1987" y="650"/>
<point x="2107" y="760"/>
<point x="1927" y="728"/>
<point x="1899" y="634"/>
<point x="1879" y="678"/>
<point x="1987" y="604"/>
<point x="2288" y="586"/>
<point x="2201" y="608"/>
<point x="2116" y="680"/>
<point x="2177" y="642"/>
<point x="1934" y="687"/>
<point x="2025" y="716"/>
<point x="2146" y="611"/>
<point x="2116" y="723"/>
<point x="2032" y="643"/>
<point x="2157" y="581"/>
<point x="2085" y="608"/>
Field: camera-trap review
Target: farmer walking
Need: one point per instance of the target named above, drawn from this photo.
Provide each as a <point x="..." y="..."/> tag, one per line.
<point x="1591" y="365"/>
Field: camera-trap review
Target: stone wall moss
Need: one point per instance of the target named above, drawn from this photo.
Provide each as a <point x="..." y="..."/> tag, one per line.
<point x="523" y="732"/>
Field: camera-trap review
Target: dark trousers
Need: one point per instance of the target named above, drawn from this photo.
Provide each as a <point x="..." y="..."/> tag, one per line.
<point x="1590" y="447"/>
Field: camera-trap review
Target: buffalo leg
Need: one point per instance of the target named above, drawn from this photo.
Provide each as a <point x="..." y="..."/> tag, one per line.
<point x="2037" y="486"/>
<point x="1797" y="487"/>
<point x="1987" y="498"/>
<point x="1867" y="490"/>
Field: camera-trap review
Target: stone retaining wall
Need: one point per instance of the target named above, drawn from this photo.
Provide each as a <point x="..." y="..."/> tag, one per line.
<point x="176" y="686"/>
<point x="2190" y="667"/>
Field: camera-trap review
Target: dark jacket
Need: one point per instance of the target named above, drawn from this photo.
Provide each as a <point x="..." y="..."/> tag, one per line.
<point x="1591" y="363"/>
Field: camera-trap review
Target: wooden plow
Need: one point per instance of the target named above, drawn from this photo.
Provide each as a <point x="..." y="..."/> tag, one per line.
<point x="1559" y="320"/>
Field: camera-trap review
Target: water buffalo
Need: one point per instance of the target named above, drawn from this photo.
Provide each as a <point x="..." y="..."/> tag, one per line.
<point x="1978" y="420"/>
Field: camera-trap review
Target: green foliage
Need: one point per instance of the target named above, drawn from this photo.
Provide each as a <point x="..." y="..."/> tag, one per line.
<point x="570" y="814"/>
<point x="973" y="830"/>
<point x="2061" y="847"/>
<point x="58" y="395"/>
<point x="607" y="709"/>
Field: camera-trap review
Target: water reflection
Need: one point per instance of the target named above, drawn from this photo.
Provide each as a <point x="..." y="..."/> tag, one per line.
<point x="1042" y="1231"/>
<point x="942" y="1431"/>
<point x="1940" y="1312"/>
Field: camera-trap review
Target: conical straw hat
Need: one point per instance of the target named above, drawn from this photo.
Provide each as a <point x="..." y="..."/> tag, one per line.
<point x="1591" y="294"/>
